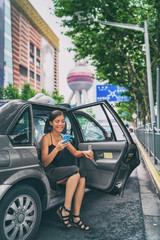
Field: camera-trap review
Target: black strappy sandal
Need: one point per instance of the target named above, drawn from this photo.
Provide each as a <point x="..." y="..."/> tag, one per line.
<point x="65" y="219"/>
<point x="79" y="224"/>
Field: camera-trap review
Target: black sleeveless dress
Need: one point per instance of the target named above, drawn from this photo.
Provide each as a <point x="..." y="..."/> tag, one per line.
<point x="61" y="167"/>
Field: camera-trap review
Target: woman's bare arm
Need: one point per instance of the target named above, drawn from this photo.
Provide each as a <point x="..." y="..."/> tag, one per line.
<point x="47" y="158"/>
<point x="76" y="153"/>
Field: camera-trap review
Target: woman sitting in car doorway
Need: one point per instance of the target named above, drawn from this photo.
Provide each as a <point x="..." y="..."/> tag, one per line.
<point x="54" y="152"/>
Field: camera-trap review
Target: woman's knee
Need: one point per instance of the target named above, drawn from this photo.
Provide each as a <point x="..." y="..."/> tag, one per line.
<point x="82" y="178"/>
<point x="76" y="177"/>
<point x="75" y="168"/>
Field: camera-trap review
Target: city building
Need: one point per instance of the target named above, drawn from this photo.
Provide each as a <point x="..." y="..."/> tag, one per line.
<point x="29" y="49"/>
<point x="6" y="60"/>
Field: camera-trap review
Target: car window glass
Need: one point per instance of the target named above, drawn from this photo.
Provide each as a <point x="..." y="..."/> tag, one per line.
<point x="21" y="133"/>
<point x="68" y="127"/>
<point x="39" y="124"/>
<point x="117" y="130"/>
<point x="39" y="127"/>
<point x="96" y="128"/>
<point x="2" y="103"/>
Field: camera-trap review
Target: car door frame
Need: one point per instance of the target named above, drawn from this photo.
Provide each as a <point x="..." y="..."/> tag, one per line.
<point x="121" y="174"/>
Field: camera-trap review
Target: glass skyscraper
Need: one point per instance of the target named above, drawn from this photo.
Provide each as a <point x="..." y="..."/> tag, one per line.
<point x="6" y="61"/>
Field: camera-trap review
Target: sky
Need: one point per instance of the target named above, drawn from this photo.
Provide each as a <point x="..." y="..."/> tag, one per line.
<point x="66" y="62"/>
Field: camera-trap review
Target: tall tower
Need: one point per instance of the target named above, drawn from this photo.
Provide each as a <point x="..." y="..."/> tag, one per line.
<point x="80" y="80"/>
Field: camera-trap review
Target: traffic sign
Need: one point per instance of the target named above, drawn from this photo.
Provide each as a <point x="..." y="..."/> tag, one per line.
<point x="111" y="93"/>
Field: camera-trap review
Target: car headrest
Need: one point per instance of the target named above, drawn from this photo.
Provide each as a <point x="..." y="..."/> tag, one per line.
<point x="48" y="128"/>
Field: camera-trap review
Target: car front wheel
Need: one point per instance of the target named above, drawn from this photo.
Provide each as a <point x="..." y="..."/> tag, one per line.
<point x="20" y="213"/>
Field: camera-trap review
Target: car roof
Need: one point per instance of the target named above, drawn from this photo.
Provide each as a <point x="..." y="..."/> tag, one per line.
<point x="62" y="105"/>
<point x="11" y="108"/>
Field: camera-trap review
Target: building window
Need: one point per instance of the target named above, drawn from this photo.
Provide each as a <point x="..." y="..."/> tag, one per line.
<point x="31" y="58"/>
<point x="7" y="28"/>
<point x="7" y="12"/>
<point x="23" y="70"/>
<point x="38" y="52"/>
<point x="32" y="47"/>
<point x="38" y="77"/>
<point x="8" y="44"/>
<point x="31" y="74"/>
<point x="8" y="77"/>
<point x="7" y="61"/>
<point x="37" y="63"/>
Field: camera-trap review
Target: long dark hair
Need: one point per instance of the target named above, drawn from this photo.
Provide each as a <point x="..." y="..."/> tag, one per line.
<point x="55" y="114"/>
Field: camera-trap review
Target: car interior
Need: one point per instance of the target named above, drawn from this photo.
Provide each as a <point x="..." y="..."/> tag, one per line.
<point x="42" y="127"/>
<point x="107" y="142"/>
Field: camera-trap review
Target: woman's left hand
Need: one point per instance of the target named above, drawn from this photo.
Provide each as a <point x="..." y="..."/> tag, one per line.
<point x="88" y="154"/>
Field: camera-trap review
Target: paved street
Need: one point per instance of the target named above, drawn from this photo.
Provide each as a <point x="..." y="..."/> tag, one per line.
<point x="110" y="217"/>
<point x="136" y="216"/>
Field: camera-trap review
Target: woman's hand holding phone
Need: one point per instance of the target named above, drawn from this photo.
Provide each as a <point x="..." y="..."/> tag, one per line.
<point x="61" y="145"/>
<point x="66" y="138"/>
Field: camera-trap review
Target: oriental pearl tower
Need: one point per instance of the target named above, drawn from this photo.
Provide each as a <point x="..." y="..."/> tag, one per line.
<point x="80" y="80"/>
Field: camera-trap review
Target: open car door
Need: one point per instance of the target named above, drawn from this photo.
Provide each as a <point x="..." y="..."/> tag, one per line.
<point x="115" y="153"/>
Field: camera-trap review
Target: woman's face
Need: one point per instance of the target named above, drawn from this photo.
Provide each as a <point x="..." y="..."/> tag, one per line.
<point x="58" y="123"/>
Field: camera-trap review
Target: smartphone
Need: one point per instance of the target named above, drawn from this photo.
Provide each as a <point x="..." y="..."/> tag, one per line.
<point x="67" y="137"/>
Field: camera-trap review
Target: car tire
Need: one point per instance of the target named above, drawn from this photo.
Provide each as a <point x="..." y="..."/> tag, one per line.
<point x="20" y="213"/>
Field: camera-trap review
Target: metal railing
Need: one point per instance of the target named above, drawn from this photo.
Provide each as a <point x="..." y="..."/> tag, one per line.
<point x="149" y="136"/>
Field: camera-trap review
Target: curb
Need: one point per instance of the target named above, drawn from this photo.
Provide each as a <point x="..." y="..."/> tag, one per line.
<point x="150" y="166"/>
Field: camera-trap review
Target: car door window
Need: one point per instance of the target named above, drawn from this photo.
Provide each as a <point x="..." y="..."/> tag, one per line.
<point x="91" y="131"/>
<point x="68" y="127"/>
<point x="117" y="130"/>
<point x="21" y="132"/>
<point x="94" y="124"/>
<point x="39" y="124"/>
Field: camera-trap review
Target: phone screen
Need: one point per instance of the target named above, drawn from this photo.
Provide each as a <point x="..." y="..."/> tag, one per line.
<point x="67" y="137"/>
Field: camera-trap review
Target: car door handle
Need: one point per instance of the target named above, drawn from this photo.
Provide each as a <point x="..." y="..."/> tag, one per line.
<point x="100" y="155"/>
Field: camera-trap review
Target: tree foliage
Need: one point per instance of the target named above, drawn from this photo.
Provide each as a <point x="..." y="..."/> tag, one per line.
<point x="12" y="92"/>
<point x="126" y="110"/>
<point x="1" y="92"/>
<point x="45" y="92"/>
<point x="27" y="92"/>
<point x="118" y="54"/>
<point x="58" y="98"/>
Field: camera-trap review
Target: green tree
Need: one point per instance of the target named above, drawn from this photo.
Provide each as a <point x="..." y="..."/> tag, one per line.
<point x="118" y="54"/>
<point x="55" y="95"/>
<point x="11" y="92"/>
<point x="126" y="110"/>
<point x="1" y="93"/>
<point x="45" y="92"/>
<point x="27" y="92"/>
<point x="58" y="98"/>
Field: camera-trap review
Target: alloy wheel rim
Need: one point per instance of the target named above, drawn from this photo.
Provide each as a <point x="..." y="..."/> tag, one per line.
<point x="20" y="218"/>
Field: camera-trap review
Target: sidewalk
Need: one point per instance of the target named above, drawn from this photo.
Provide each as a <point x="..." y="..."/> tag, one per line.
<point x="152" y="169"/>
<point x="149" y="189"/>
